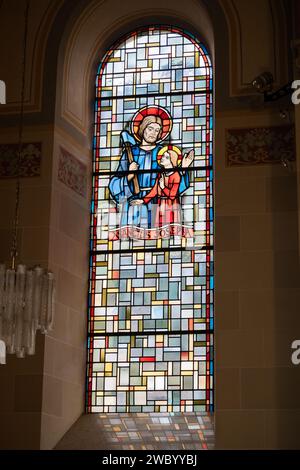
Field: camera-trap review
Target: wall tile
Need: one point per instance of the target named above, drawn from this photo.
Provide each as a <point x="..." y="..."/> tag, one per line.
<point x="7" y="206"/>
<point x="77" y="328"/>
<point x="277" y="231"/>
<point x="239" y="348"/>
<point x="270" y="388"/>
<point x="30" y="365"/>
<point x="227" y="200"/>
<point x="286" y="269"/>
<point x="74" y="220"/>
<point x="281" y="193"/>
<point x="269" y="308"/>
<point x="7" y="391"/>
<point x="69" y="363"/>
<point x="52" y="395"/>
<point x="71" y="290"/>
<point x="227" y="233"/>
<point x="240" y="429"/>
<point x="252" y="195"/>
<point x="282" y="429"/>
<point x="59" y="330"/>
<point x="227" y="270"/>
<point x="73" y="400"/>
<point x="28" y="392"/>
<point x="22" y="431"/>
<point x="227" y="310"/>
<point x="228" y="389"/>
<point x="35" y="243"/>
<point x="49" y="355"/>
<point x="71" y="255"/>
<point x="256" y="270"/>
<point x="54" y="427"/>
<point x="6" y="243"/>
<point x="35" y="206"/>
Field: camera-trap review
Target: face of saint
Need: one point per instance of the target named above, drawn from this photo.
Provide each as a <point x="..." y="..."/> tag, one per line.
<point x="165" y="160"/>
<point x="151" y="133"/>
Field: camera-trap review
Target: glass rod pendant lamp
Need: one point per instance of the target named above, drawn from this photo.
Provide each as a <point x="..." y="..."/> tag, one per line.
<point x="26" y="295"/>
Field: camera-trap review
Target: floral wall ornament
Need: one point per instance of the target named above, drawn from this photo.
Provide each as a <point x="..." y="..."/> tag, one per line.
<point x="260" y="145"/>
<point x="30" y="160"/>
<point x="72" y="172"/>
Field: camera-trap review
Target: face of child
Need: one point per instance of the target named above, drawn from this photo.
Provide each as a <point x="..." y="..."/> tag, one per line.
<point x="165" y="159"/>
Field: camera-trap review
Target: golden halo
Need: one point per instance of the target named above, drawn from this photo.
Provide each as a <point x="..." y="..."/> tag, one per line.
<point x="152" y="111"/>
<point x="174" y="149"/>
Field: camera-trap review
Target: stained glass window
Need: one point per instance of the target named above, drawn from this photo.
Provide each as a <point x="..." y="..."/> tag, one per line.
<point x="150" y="328"/>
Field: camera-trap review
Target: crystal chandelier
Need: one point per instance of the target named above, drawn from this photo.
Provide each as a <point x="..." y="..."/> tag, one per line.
<point x="26" y="295"/>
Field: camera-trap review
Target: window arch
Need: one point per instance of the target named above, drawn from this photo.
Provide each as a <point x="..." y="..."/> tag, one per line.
<point x="150" y="328"/>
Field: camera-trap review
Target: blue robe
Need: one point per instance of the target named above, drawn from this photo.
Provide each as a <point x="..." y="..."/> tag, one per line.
<point x="122" y="191"/>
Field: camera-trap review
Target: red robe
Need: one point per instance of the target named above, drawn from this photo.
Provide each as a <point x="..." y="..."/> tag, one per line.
<point x="168" y="210"/>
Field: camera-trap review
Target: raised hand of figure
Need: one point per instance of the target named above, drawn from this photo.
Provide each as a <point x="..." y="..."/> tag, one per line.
<point x="136" y="202"/>
<point x="188" y="159"/>
<point x="162" y="182"/>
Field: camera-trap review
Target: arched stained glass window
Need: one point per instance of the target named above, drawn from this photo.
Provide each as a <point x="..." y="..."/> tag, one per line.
<point x="150" y="329"/>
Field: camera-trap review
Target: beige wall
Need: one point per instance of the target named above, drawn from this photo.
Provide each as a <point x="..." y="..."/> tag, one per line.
<point x="65" y="347"/>
<point x="251" y="24"/>
<point x="21" y="380"/>
<point x="41" y="16"/>
<point x="257" y="298"/>
<point x="257" y="251"/>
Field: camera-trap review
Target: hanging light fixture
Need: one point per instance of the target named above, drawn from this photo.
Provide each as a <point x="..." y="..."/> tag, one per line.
<point x="26" y="295"/>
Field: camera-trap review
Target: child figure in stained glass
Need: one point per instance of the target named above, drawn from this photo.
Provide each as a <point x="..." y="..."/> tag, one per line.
<point x="166" y="188"/>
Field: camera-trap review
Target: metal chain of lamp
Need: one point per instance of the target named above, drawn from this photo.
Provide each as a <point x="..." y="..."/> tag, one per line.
<point x="26" y="295"/>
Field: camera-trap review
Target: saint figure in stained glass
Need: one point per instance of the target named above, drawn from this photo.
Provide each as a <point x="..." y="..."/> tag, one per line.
<point x="138" y="174"/>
